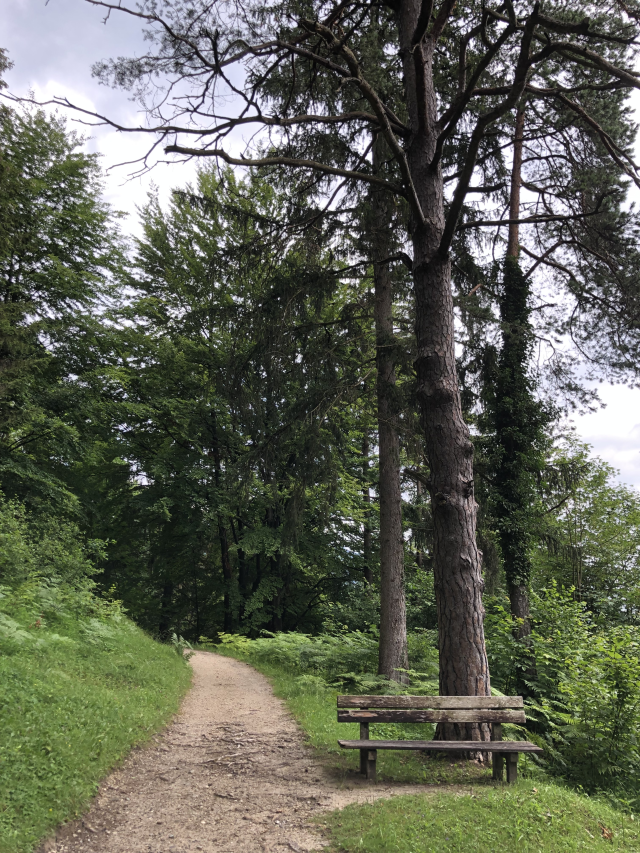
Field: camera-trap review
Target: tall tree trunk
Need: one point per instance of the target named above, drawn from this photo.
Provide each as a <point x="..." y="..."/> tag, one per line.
<point x="457" y="561"/>
<point x="517" y="414"/>
<point x="165" y="621"/>
<point x="242" y="559"/>
<point x="517" y="425"/>
<point x="227" y="574"/>
<point x="392" y="656"/>
<point x="419" y="492"/>
<point x="196" y="599"/>
<point x="223" y="539"/>
<point x="276" y="570"/>
<point x="258" y="577"/>
<point x="513" y="240"/>
<point x="366" y="497"/>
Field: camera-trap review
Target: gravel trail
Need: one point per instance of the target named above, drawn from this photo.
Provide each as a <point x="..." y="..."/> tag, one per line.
<point x="231" y="774"/>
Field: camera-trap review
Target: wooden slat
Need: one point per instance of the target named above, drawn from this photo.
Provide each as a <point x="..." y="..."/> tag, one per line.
<point x="434" y="702"/>
<point x="505" y="746"/>
<point x="412" y="716"/>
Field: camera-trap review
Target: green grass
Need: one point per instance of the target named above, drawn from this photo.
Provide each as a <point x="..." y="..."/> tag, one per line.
<point x="75" y="695"/>
<point x="478" y="816"/>
<point x="521" y="818"/>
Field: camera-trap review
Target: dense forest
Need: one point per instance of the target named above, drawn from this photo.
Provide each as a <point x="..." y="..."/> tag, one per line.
<point x="326" y="390"/>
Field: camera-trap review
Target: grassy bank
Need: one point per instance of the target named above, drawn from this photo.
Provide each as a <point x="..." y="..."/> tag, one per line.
<point x="522" y="818"/>
<point x="478" y="815"/>
<point x="79" y="685"/>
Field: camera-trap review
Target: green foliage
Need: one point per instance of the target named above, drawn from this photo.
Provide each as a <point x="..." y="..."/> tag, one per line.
<point x="518" y="422"/>
<point x="523" y="818"/>
<point x="234" y="386"/>
<point x="584" y="680"/>
<point x="588" y="533"/>
<point x="43" y="547"/>
<point x="347" y="661"/>
<point x="325" y="655"/>
<point x="181" y="646"/>
<point x="59" y="251"/>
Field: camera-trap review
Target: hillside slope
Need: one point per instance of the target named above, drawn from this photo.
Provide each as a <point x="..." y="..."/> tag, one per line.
<point x="79" y="685"/>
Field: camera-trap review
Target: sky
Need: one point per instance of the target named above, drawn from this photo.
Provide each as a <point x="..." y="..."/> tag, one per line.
<point x="53" y="46"/>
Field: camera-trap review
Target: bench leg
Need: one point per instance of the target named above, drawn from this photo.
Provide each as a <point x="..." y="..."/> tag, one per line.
<point x="364" y="735"/>
<point x="497" y="758"/>
<point x="512" y="767"/>
<point x="498" y="766"/>
<point x="372" y="754"/>
<point x="363" y="761"/>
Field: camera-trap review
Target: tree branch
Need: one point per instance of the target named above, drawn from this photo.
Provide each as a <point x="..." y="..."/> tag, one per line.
<point x="378" y="107"/>
<point x="286" y="161"/>
<point x="517" y="88"/>
<point x="568" y="217"/>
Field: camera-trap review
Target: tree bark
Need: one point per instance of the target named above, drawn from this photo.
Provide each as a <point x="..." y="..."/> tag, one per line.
<point x="243" y="582"/>
<point x="167" y="614"/>
<point x="519" y="600"/>
<point x="392" y="658"/>
<point x="366" y="497"/>
<point x="227" y="574"/>
<point x="419" y="493"/>
<point x="457" y="561"/>
<point x="513" y="245"/>
<point x="223" y="539"/>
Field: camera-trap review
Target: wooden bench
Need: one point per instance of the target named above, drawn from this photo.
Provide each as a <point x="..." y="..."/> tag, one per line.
<point x="494" y="710"/>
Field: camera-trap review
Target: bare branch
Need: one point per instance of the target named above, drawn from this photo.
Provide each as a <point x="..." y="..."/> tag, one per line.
<point x="517" y="88"/>
<point x="548" y="262"/>
<point x="379" y="109"/>
<point x="528" y="220"/>
<point x="286" y="161"/>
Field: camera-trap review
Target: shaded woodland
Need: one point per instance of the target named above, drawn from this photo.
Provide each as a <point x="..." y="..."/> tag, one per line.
<point x="326" y="390"/>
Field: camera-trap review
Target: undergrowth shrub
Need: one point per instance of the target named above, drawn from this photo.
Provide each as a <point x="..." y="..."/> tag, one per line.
<point x="43" y="547"/>
<point x="584" y="689"/>
<point x="346" y="661"/>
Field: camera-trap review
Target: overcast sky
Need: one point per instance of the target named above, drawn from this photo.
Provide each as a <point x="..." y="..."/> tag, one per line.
<point x="53" y="47"/>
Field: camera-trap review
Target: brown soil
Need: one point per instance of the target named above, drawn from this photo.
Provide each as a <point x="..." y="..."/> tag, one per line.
<point x="231" y="774"/>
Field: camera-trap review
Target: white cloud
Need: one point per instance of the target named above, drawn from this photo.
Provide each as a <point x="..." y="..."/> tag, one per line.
<point x="614" y="431"/>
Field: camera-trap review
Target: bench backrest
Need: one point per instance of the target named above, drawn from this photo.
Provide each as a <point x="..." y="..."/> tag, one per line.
<point x="431" y="709"/>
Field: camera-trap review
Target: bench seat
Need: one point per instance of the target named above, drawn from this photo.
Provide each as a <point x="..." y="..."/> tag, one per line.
<point x="445" y="745"/>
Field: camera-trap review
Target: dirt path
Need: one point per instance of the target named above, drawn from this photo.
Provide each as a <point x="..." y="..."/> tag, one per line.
<point x="230" y="775"/>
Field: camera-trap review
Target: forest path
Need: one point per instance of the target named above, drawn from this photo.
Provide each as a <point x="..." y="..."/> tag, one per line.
<point x="231" y="774"/>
